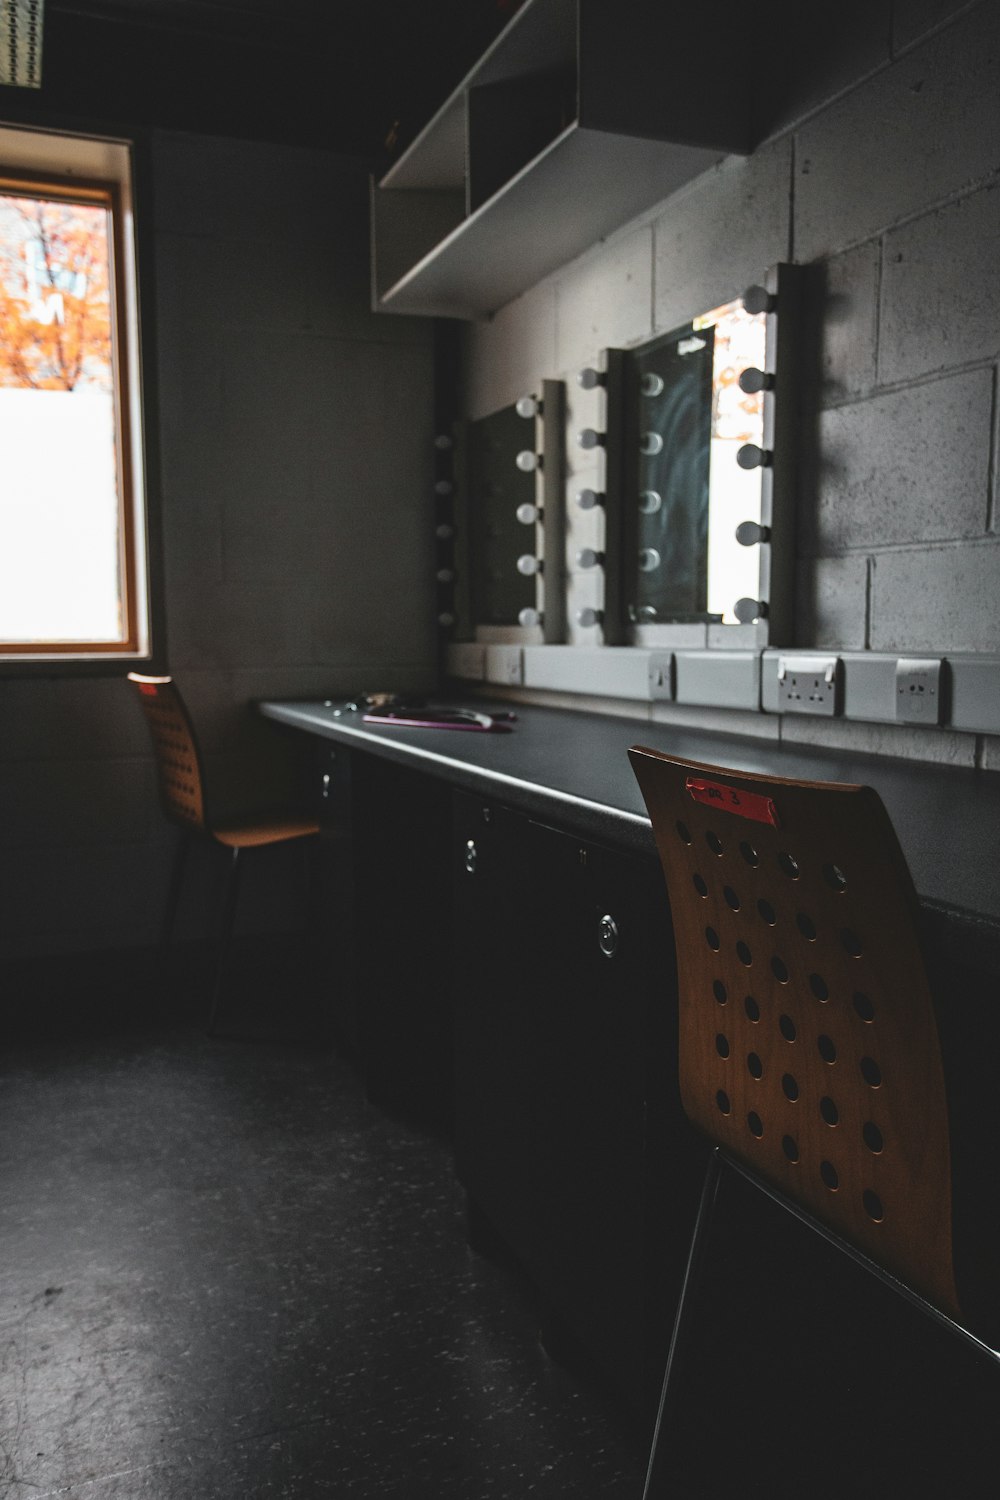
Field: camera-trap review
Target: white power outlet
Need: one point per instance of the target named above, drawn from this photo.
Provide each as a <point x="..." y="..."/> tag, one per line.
<point x="919" y="690"/>
<point x="809" y="685"/>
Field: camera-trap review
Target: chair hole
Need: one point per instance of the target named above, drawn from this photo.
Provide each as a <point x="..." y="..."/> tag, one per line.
<point x="871" y="1072"/>
<point x="806" y="926"/>
<point x="851" y="942"/>
<point x="752" y="1008"/>
<point x="779" y="969"/>
<point x="827" y="1050"/>
<point x="768" y="912"/>
<point x="863" y="1006"/>
<point x="788" y="865"/>
<point x="712" y="939"/>
<point x="730" y="897"/>
<point x="719" y="991"/>
<point x="787" y="1028"/>
<point x="790" y="1147"/>
<point x="743" y="953"/>
<point x="683" y="831"/>
<point x="790" y="1087"/>
<point x="700" y="884"/>
<point x="819" y="986"/>
<point x="714" y="842"/>
<point x="722" y="1045"/>
<point x="755" y="1123"/>
<point x="835" y="877"/>
<point x="755" y="1066"/>
<point x="749" y="853"/>
<point x="872" y="1137"/>
<point x="828" y="1172"/>
<point x="829" y="1110"/>
<point x="722" y="1100"/>
<point x="873" y="1205"/>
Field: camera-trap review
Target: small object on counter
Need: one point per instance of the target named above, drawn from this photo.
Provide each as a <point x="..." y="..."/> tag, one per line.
<point x="416" y="716"/>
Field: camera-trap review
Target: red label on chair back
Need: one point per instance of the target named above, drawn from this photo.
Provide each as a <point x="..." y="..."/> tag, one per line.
<point x="744" y="804"/>
<point x="147" y="689"/>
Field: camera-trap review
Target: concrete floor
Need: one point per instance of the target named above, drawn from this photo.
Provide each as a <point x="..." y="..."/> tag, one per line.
<point x="225" y="1274"/>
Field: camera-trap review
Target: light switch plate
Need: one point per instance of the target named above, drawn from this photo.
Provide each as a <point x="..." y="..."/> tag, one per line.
<point x="661" y="676"/>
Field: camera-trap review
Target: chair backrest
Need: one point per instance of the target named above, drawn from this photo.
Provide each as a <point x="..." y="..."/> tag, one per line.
<point x="178" y="762"/>
<point x="808" y="1045"/>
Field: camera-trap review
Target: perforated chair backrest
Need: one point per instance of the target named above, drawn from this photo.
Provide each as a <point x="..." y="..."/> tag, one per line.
<point x="808" y="1045"/>
<point x="178" y="763"/>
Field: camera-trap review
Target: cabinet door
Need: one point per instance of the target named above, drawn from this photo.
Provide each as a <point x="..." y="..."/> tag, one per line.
<point x="568" y="1129"/>
<point x="400" y="821"/>
<point x="496" y="1053"/>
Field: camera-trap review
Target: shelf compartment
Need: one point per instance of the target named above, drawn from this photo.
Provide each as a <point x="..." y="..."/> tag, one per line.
<point x="582" y="187"/>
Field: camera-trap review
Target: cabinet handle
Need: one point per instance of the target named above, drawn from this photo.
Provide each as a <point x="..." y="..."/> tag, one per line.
<point x="608" y="936"/>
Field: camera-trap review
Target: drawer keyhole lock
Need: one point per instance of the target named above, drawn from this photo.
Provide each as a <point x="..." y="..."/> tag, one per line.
<point x="608" y="936"/>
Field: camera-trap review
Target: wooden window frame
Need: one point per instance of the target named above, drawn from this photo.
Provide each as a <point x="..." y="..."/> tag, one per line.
<point x="105" y="193"/>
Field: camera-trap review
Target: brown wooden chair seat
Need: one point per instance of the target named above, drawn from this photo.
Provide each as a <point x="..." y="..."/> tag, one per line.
<point x="808" y="1050"/>
<point x="182" y="797"/>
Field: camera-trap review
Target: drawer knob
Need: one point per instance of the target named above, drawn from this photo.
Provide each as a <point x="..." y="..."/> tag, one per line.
<point x="608" y="936"/>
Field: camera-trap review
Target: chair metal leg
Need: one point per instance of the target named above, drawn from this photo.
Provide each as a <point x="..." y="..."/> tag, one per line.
<point x="174" y="888"/>
<point x="229" y="900"/>
<point x="660" y="1456"/>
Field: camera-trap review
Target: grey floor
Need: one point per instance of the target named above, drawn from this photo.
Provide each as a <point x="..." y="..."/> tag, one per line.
<point x="225" y="1274"/>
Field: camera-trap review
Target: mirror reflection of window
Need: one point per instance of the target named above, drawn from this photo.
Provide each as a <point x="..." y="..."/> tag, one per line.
<point x="688" y="417"/>
<point x="496" y="489"/>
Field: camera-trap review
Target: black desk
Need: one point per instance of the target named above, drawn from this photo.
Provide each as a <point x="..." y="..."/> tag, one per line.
<point x="572" y="768"/>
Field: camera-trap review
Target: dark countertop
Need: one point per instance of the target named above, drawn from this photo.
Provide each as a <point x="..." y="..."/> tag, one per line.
<point x="572" y="768"/>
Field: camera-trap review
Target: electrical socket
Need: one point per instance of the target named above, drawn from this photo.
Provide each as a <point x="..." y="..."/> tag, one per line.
<point x="919" y="690"/>
<point x="809" y="685"/>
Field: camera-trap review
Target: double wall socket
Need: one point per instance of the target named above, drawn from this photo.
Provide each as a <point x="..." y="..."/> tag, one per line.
<point x="919" y="690"/>
<point x="809" y="685"/>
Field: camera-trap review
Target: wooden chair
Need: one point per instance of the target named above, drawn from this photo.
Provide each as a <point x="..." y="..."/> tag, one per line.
<point x="182" y="796"/>
<point x="808" y="1047"/>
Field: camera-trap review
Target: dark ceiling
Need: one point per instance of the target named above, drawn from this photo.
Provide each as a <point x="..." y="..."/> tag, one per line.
<point x="347" y="74"/>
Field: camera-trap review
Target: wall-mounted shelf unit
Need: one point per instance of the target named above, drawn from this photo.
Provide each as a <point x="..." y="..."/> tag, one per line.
<point x="579" y="117"/>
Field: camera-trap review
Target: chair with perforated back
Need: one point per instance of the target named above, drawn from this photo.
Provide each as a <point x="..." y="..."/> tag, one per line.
<point x="808" y="1045"/>
<point x="182" y="797"/>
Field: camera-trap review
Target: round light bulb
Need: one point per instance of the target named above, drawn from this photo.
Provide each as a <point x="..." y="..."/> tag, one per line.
<point x="587" y="557"/>
<point x="651" y="384"/>
<point x="650" y="502"/>
<point x="752" y="457"/>
<point x="527" y="461"/>
<point x="650" y="444"/>
<point x="589" y="438"/>
<point x="445" y="575"/>
<point x="589" y="617"/>
<point x="649" y="560"/>
<point x="443" y="442"/>
<point x="529" y="616"/>
<point x="528" y="566"/>
<point x="444" y="531"/>
<point x="443" y="487"/>
<point x="446" y="619"/>
<point x="587" y="499"/>
<point x="527" y="406"/>
<point x="757" y="299"/>
<point x="589" y="379"/>
<point x="753" y="380"/>
<point x="527" y="513"/>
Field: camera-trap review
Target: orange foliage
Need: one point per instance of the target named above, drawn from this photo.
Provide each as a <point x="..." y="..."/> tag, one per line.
<point x="55" y="307"/>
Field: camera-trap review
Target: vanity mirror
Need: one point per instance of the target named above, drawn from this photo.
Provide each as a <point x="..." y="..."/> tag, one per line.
<point x="700" y="509"/>
<point x="510" y="518"/>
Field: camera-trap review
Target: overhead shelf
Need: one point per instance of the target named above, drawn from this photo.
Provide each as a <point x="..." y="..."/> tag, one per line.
<point x="579" y="117"/>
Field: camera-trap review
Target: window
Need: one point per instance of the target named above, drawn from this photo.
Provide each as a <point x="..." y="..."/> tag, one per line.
<point x="72" y="535"/>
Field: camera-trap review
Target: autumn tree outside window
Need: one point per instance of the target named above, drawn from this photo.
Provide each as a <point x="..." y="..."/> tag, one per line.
<point x="72" y="566"/>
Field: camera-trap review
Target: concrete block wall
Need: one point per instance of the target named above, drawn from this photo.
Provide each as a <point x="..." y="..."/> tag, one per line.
<point x="297" y="538"/>
<point x="883" y="175"/>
